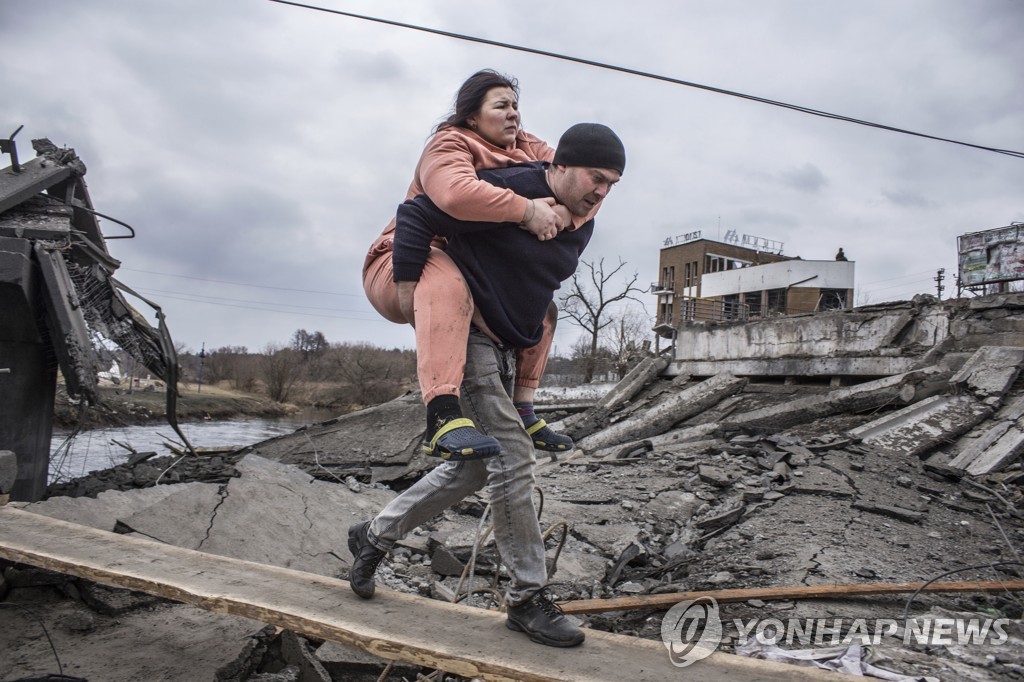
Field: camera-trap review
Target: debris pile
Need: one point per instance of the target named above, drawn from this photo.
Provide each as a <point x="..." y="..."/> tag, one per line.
<point x="680" y="484"/>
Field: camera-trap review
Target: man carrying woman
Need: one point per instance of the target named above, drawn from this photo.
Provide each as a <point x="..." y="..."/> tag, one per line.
<point x="512" y="276"/>
<point x="484" y="131"/>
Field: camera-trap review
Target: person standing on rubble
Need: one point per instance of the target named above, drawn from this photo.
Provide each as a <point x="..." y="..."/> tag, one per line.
<point x="512" y="276"/>
<point x="483" y="131"/>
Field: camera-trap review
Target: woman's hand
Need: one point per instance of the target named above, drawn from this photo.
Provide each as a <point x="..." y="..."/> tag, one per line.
<point x="564" y="217"/>
<point x="541" y="219"/>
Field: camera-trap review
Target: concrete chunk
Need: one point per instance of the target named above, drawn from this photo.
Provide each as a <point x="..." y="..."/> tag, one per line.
<point x="923" y="426"/>
<point x="107" y="508"/>
<point x="8" y="471"/>
<point x="302" y="523"/>
<point x="990" y="372"/>
<point x="995" y="443"/>
<point x="666" y="413"/>
<point x="581" y="425"/>
<point x="897" y="389"/>
<point x="1003" y="451"/>
<point x="892" y="512"/>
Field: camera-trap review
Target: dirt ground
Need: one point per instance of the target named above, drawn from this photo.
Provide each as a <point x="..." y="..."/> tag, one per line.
<point x="167" y="642"/>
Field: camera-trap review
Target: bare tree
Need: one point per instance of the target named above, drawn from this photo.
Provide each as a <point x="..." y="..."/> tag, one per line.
<point x="222" y="363"/>
<point x="281" y="367"/>
<point x="309" y="343"/>
<point x="368" y="374"/>
<point x="586" y="303"/>
<point x="629" y="339"/>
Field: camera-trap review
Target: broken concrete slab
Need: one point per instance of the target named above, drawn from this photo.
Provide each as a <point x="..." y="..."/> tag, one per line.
<point x="665" y="413"/>
<point x="8" y="473"/>
<point x="586" y="423"/>
<point x="986" y="435"/>
<point x="899" y="389"/>
<point x="682" y="435"/>
<point x="611" y="539"/>
<point x="919" y="428"/>
<point x="818" y="480"/>
<point x="860" y="342"/>
<point x="348" y="662"/>
<point x="107" y="508"/>
<point x="388" y="438"/>
<point x="675" y="505"/>
<point x="989" y="373"/>
<point x="131" y="646"/>
<point x="303" y="522"/>
<point x="298" y="652"/>
<point x="889" y="510"/>
<point x="1003" y="451"/>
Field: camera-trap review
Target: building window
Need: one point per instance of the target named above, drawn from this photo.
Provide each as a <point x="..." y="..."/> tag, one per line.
<point x="776" y="303"/>
<point x="672" y="277"/>
<point x="832" y="299"/>
<point x="686" y="309"/>
<point x="686" y="275"/>
<point x="666" y="314"/>
<point x="732" y="309"/>
<point x="753" y="301"/>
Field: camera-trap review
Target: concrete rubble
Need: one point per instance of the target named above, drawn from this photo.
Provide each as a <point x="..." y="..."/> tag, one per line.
<point x="772" y="481"/>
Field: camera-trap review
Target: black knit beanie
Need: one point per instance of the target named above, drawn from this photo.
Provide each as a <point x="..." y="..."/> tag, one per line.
<point x="592" y="145"/>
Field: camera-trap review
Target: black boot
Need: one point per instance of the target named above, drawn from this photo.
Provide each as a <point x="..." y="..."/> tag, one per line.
<point x="365" y="560"/>
<point x="543" y="622"/>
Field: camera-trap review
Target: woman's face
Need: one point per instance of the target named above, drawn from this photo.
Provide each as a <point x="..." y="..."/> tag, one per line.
<point x="498" y="118"/>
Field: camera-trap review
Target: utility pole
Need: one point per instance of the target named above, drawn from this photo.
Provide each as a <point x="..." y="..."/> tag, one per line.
<point x="939" y="276"/>
<point x="202" y="356"/>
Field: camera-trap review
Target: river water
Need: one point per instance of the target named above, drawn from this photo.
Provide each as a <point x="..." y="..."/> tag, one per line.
<point x="93" y="450"/>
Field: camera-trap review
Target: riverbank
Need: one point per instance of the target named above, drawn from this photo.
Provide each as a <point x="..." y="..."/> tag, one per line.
<point x="149" y="404"/>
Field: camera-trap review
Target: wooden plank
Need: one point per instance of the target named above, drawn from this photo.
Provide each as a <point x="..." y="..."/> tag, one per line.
<point x="466" y="641"/>
<point x="664" y="601"/>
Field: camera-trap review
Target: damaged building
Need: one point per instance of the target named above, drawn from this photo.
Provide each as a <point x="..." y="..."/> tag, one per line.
<point x="61" y="306"/>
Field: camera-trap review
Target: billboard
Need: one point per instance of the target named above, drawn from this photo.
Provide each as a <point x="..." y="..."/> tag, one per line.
<point x="991" y="256"/>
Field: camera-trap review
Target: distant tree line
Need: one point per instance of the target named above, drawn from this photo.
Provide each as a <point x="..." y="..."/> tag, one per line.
<point x="309" y="370"/>
<point x="347" y="376"/>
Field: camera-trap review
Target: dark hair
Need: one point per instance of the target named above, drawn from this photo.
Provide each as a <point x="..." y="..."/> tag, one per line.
<point x="471" y="94"/>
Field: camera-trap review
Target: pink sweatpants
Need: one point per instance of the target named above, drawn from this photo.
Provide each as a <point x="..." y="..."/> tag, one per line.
<point x="443" y="309"/>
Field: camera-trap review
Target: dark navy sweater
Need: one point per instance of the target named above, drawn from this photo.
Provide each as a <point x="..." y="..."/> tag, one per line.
<point x="512" y="275"/>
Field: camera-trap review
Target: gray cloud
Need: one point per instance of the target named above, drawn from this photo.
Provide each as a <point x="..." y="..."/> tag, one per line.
<point x="806" y="178"/>
<point x="908" y="199"/>
<point x="258" y="143"/>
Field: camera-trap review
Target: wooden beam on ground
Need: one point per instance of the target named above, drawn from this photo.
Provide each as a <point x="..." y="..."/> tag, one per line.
<point x="665" y="601"/>
<point x="466" y="641"/>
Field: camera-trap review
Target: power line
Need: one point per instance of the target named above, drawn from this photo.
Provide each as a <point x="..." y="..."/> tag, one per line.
<point x="271" y="310"/>
<point x="241" y="284"/>
<point x="646" y="74"/>
<point x="214" y="299"/>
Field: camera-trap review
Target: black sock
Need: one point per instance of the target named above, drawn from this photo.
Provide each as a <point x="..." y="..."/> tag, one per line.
<point x="527" y="414"/>
<point x="440" y="411"/>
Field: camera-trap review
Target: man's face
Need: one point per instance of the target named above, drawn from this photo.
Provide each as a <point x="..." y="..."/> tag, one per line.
<point x="580" y="188"/>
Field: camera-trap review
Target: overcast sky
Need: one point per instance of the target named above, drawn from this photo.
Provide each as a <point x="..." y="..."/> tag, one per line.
<point x="258" y="148"/>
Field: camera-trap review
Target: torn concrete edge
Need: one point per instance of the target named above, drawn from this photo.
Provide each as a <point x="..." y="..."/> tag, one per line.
<point x="989" y="372"/>
<point x="898" y="389"/>
<point x="995" y="438"/>
<point x="663" y="415"/>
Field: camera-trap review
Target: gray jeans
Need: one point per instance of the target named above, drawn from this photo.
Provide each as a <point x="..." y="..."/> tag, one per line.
<point x="486" y="399"/>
